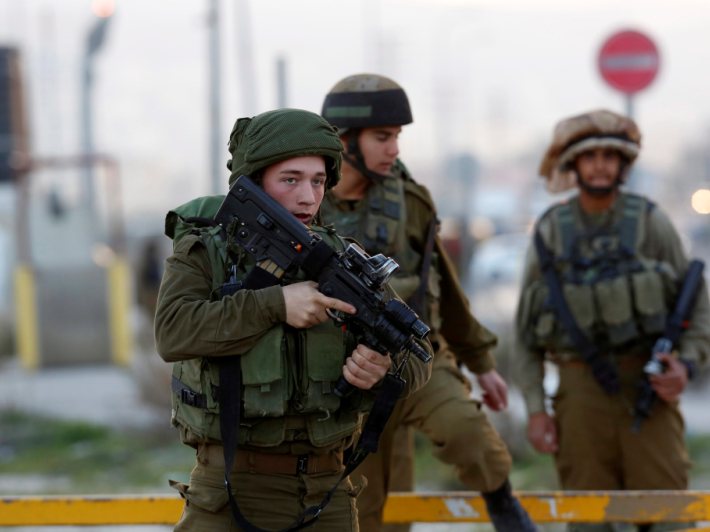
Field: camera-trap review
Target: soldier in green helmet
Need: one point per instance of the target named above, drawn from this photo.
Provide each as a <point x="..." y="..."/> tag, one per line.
<point x="293" y="429"/>
<point x="606" y="264"/>
<point x="378" y="203"/>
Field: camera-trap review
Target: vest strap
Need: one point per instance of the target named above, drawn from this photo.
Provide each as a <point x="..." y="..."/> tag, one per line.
<point x="603" y="371"/>
<point x="418" y="298"/>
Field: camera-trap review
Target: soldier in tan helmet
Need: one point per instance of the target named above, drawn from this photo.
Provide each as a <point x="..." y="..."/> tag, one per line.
<point x="600" y="279"/>
<point x="378" y="203"/>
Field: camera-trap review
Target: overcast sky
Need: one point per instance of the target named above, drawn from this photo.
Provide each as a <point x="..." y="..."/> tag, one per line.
<point x="486" y="76"/>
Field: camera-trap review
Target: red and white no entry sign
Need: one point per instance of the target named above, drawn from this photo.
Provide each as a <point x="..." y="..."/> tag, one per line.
<point x="629" y="61"/>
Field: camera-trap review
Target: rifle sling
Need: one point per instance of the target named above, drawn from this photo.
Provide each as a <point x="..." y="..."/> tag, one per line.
<point x="229" y="398"/>
<point x="603" y="371"/>
<point x="416" y="301"/>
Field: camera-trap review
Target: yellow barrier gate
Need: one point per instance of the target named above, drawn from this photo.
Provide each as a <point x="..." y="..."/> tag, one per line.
<point x="447" y="507"/>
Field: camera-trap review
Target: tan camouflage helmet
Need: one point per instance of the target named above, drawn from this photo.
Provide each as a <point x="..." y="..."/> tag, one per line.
<point x="580" y="133"/>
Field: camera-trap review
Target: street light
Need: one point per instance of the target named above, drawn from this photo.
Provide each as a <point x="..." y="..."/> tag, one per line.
<point x="700" y="201"/>
<point x="103" y="8"/>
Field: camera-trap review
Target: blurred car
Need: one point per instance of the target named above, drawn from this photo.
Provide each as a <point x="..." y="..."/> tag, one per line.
<point x="492" y="286"/>
<point x="493" y="279"/>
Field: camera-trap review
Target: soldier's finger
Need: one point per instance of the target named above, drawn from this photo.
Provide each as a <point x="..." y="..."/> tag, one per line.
<point x="335" y="304"/>
<point x="357" y="376"/>
<point x="368" y="354"/>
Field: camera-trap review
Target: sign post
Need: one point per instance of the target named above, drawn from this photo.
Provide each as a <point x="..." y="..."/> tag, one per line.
<point x="628" y="61"/>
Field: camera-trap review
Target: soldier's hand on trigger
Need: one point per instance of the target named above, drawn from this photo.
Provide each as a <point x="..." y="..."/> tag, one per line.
<point x="671" y="383"/>
<point x="306" y="306"/>
<point x="542" y="432"/>
<point x="364" y="367"/>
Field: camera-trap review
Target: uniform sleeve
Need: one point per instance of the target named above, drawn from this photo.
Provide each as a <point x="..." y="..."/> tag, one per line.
<point x="529" y="364"/>
<point x="189" y="324"/>
<point x="663" y="243"/>
<point x="467" y="338"/>
<point x="416" y="373"/>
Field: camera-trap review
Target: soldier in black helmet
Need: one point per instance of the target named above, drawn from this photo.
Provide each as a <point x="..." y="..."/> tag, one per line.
<point x="379" y="204"/>
<point x="613" y="260"/>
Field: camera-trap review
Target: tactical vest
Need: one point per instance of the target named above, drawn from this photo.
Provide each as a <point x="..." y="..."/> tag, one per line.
<point x="287" y="378"/>
<point x="618" y="297"/>
<point x="379" y="223"/>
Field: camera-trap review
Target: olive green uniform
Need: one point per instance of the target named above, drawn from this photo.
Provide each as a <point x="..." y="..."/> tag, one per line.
<point x="597" y="448"/>
<point x="394" y="219"/>
<point x="272" y="488"/>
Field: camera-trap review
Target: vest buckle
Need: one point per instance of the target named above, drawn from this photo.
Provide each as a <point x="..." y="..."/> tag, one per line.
<point x="192" y="398"/>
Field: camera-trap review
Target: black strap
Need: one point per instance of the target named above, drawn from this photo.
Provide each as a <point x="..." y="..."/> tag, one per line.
<point x="230" y="386"/>
<point x="603" y="371"/>
<point x="416" y="301"/>
<point x="187" y="395"/>
<point x="387" y="396"/>
<point x="229" y="397"/>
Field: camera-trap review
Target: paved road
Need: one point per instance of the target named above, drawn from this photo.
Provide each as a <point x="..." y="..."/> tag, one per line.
<point x="99" y="394"/>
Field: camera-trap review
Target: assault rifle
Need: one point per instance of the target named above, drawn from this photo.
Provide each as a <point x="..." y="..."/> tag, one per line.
<point x="281" y="243"/>
<point x="675" y="324"/>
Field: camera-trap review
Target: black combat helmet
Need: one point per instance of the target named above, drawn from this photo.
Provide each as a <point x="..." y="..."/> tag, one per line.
<point x="366" y="100"/>
<point x="362" y="101"/>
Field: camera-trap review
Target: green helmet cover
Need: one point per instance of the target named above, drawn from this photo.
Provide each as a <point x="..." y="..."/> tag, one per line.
<point x="275" y="136"/>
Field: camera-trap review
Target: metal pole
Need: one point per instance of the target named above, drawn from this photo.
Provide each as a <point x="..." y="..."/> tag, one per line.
<point x="94" y="41"/>
<point x="87" y="135"/>
<point x="631" y="179"/>
<point x="281" y="83"/>
<point x="215" y="98"/>
<point x="247" y="72"/>
<point x="629" y="105"/>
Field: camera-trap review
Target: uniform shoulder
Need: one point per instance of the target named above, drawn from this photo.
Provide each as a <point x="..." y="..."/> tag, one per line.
<point x="552" y="211"/>
<point x="411" y="187"/>
<point x="657" y="217"/>
<point x="183" y="219"/>
<point x="654" y="214"/>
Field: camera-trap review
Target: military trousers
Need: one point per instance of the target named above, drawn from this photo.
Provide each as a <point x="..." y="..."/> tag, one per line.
<point x="598" y="450"/>
<point x="459" y="430"/>
<point x="268" y="501"/>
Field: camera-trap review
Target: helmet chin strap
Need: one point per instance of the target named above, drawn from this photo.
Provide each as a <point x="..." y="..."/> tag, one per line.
<point x="603" y="192"/>
<point x="599" y="192"/>
<point x="353" y="156"/>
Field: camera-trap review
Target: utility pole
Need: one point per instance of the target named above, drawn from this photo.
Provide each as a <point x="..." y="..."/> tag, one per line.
<point x="247" y="73"/>
<point x="281" y="82"/>
<point x="215" y="97"/>
<point x="94" y="42"/>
